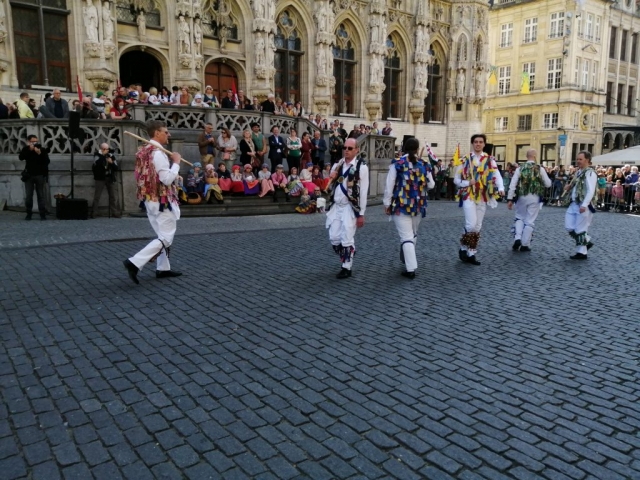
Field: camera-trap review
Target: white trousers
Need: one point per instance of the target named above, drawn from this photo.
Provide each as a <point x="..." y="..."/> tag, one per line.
<point x="407" y="227"/>
<point x="473" y="217"/>
<point x="341" y="222"/>
<point x="579" y="223"/>
<point x="164" y="224"/>
<point x="527" y="210"/>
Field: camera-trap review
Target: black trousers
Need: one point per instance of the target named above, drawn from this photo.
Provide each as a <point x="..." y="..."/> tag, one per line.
<point x="293" y="162"/>
<point x="319" y="161"/>
<point x="35" y="182"/>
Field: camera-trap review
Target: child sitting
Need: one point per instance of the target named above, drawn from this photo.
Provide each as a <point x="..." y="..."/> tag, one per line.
<point x="266" y="185"/>
<point x="237" y="185"/>
<point x="211" y="189"/>
<point x="321" y="202"/>
<point x="279" y="181"/>
<point x="251" y="184"/>
<point x="307" y="204"/>
<point x="293" y="183"/>
<point x="195" y="179"/>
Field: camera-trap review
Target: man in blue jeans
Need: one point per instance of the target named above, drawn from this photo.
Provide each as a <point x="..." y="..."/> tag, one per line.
<point x="37" y="171"/>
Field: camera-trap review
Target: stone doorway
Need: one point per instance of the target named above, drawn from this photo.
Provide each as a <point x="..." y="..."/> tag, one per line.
<point x="137" y="66"/>
<point x="221" y="77"/>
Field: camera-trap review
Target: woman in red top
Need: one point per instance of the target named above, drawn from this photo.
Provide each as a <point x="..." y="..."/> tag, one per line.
<point x="306" y="149"/>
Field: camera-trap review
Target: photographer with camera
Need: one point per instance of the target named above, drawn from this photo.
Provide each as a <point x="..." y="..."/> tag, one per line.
<point x="105" y="173"/>
<point x="35" y="175"/>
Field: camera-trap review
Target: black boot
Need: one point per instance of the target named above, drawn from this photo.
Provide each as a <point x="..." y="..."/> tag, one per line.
<point x="344" y="273"/>
<point x="472" y="260"/>
<point x="516" y="245"/>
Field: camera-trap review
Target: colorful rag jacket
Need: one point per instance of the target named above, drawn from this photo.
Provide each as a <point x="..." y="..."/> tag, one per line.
<point x="149" y="186"/>
<point x="530" y="181"/>
<point x="579" y="183"/>
<point x="410" y="191"/>
<point x="349" y="182"/>
<point x="485" y="176"/>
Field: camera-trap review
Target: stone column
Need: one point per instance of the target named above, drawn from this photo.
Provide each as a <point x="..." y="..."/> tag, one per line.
<point x="188" y="15"/>
<point x="377" y="52"/>
<point x="324" y="17"/>
<point x="422" y="58"/>
<point x="263" y="47"/>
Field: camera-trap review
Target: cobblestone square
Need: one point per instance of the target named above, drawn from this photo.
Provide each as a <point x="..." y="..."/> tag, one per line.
<point x="259" y="363"/>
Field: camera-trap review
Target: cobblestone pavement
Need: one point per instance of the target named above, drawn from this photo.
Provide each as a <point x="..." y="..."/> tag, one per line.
<point x="258" y="363"/>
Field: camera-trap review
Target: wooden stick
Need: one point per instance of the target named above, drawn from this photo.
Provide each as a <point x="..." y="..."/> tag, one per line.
<point x="161" y="148"/>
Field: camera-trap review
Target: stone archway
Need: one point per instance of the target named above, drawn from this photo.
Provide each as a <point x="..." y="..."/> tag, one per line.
<point x="628" y="141"/>
<point x="618" y="142"/>
<point x="137" y="66"/>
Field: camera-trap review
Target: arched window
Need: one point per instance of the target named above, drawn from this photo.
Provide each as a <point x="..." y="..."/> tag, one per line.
<point x="434" y="102"/>
<point x="287" y="59"/>
<point x="127" y="11"/>
<point x="461" y="53"/>
<point x="479" y="49"/>
<point x="219" y="22"/>
<point x="344" y="67"/>
<point x="392" y="74"/>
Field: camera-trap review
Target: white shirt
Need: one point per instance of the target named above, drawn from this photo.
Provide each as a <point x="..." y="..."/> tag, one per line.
<point x="167" y="174"/>
<point x="546" y="181"/>
<point x="391" y="183"/>
<point x="175" y="98"/>
<point x="475" y="158"/>
<point x="591" y="181"/>
<point x="339" y="197"/>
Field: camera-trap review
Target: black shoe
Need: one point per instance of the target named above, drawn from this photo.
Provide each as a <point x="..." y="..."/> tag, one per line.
<point x="578" y="256"/>
<point x="43" y="217"/>
<point x="133" y="271"/>
<point x="167" y="273"/>
<point x="462" y="255"/>
<point x="409" y="275"/>
<point x="28" y="217"/>
<point x="344" y="273"/>
<point x="589" y="245"/>
<point x="525" y="249"/>
<point x="472" y="260"/>
<point x="516" y="245"/>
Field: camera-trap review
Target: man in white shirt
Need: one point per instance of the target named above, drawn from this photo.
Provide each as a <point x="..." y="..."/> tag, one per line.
<point x="347" y="204"/>
<point x="155" y="176"/>
<point x="529" y="182"/>
<point x="582" y="204"/>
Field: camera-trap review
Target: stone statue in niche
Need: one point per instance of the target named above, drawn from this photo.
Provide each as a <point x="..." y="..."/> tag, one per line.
<point x="271" y="50"/>
<point x="259" y="48"/>
<point x="375" y="29"/>
<point x="141" y="21"/>
<point x="90" y="13"/>
<point x="184" y="40"/>
<point x="258" y="8"/>
<point x="478" y="83"/>
<point x="383" y="30"/>
<point x="321" y="61"/>
<point x="107" y="23"/>
<point x="460" y="82"/>
<point x="420" y="78"/>
<point x="197" y="36"/>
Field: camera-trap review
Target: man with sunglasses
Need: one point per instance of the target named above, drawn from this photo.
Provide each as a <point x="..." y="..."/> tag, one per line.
<point x="347" y="204"/>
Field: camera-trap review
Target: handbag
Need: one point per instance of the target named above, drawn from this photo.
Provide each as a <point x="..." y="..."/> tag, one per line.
<point x="24" y="175"/>
<point x="226" y="156"/>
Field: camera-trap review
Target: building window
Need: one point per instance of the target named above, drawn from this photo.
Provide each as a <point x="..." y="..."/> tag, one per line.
<point x="576" y="119"/>
<point x="501" y="124"/>
<point x="42" y="43"/>
<point x="344" y="66"/>
<point x="524" y="122"/>
<point x="623" y="45"/>
<point x="588" y="31"/>
<point x="593" y="120"/>
<point x="392" y="73"/>
<point x="596" y="30"/>
<point x="631" y="111"/>
<point x="548" y="154"/>
<point x="127" y="11"/>
<point x="594" y="75"/>
<point x="530" y="68"/>
<point x="434" y="101"/>
<point x="612" y="42"/>
<point x="287" y="59"/>
<point x="619" y="106"/>
<point x="556" y="26"/>
<point x="634" y="48"/>
<point x="554" y="73"/>
<point x="461" y="51"/>
<point x="586" y="70"/>
<point x="500" y="153"/>
<point x="609" y="99"/>
<point x="576" y="73"/>
<point x="550" y="121"/>
<point x="504" y="80"/>
<point x="521" y="152"/>
<point x="530" y="30"/>
<point x="506" y="35"/>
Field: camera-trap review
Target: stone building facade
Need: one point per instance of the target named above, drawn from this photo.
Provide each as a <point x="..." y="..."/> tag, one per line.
<point x="421" y="65"/>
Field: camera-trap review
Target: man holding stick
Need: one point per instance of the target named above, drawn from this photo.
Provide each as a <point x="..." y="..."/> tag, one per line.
<point x="155" y="177"/>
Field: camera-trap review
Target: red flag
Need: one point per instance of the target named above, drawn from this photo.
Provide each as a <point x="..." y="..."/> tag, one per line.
<point x="79" y="89"/>
<point x="233" y="89"/>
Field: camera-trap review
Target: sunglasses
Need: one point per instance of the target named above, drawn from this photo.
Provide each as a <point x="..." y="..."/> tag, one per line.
<point x="348" y="148"/>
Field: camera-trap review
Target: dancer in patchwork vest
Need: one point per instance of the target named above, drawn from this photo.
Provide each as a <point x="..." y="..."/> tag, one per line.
<point x="580" y="196"/>
<point x="528" y="183"/>
<point x="405" y="197"/>
<point x="347" y="203"/>
<point x="479" y="184"/>
<point x="155" y="177"/>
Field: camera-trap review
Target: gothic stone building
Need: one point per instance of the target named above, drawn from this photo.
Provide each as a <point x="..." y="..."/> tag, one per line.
<point x="420" y="64"/>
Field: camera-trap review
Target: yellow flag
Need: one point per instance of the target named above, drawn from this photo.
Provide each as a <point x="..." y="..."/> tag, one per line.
<point x="524" y="87"/>
<point x="456" y="157"/>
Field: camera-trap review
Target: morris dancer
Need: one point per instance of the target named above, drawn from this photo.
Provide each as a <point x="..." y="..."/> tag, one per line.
<point x="581" y="202"/>
<point x="529" y="182"/>
<point x="347" y="203"/>
<point x="479" y="184"/>
<point x="405" y="197"/>
<point x="155" y="178"/>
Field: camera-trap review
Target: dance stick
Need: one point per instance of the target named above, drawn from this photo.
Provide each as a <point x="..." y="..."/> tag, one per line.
<point x="161" y="148"/>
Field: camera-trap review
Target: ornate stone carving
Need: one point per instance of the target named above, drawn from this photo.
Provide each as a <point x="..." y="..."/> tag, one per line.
<point x="197" y="37"/>
<point x="3" y="22"/>
<point x="90" y="17"/>
<point x="107" y="23"/>
<point x="184" y="38"/>
<point x="184" y="8"/>
<point x="100" y="79"/>
<point x="460" y="83"/>
<point x="141" y="21"/>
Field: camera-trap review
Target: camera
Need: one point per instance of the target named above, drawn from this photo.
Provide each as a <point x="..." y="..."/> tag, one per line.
<point x="37" y="145"/>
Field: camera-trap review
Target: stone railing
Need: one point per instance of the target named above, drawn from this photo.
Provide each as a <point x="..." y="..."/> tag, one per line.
<point x="185" y="124"/>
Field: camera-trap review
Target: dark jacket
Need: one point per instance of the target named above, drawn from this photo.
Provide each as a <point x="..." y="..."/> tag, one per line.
<point x="268" y="106"/>
<point x="321" y="147"/>
<point x="225" y="174"/>
<point x="4" y="112"/>
<point x="275" y="144"/>
<point x="228" y="103"/>
<point x="63" y="108"/>
<point x="203" y="144"/>
<point x="102" y="169"/>
<point x="36" y="164"/>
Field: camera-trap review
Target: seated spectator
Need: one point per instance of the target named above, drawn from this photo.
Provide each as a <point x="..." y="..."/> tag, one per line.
<point x="318" y="179"/>
<point x="279" y="107"/>
<point x="279" y="181"/>
<point x="251" y="183"/>
<point x="266" y="185"/>
<point x="210" y="98"/>
<point x="237" y="185"/>
<point x="212" y="188"/>
<point x="224" y="177"/>
<point x="307" y="204"/>
<point x="294" y="185"/>
<point x="197" y="101"/>
<point x="153" y="98"/>
<point x="182" y="192"/>
<point x="227" y="146"/>
<point x="306" y="177"/>
<point x="55" y="106"/>
<point x="195" y="179"/>
<point x="387" y="129"/>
